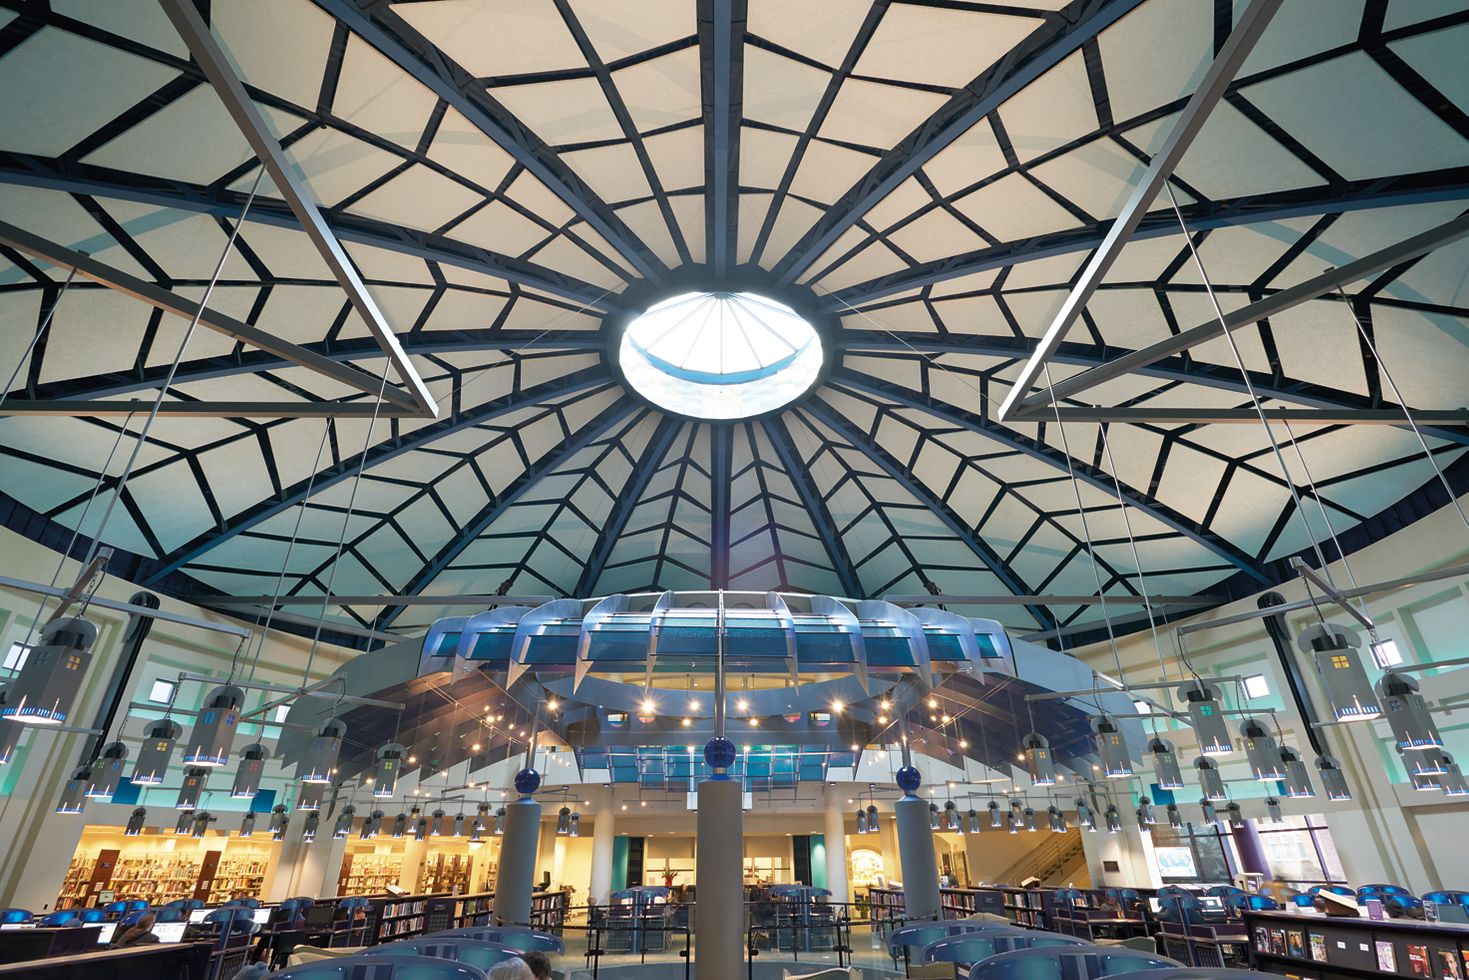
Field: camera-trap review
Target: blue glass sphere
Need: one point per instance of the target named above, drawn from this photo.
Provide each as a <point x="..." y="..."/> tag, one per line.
<point x="909" y="779"/>
<point x="527" y="781"/>
<point x="719" y="752"/>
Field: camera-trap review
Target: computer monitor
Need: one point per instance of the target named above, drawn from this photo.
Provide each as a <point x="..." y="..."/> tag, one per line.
<point x="1156" y="905"/>
<point x="261" y="916"/>
<point x="104" y="934"/>
<point x="320" y="916"/>
<point x="170" y="932"/>
<point x="1211" y="903"/>
<point x="197" y="916"/>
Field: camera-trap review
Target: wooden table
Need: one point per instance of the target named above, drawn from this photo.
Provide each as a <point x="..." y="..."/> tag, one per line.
<point x="160" y="961"/>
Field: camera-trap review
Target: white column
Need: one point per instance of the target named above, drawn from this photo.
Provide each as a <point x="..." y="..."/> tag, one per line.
<point x="835" y="835"/>
<point x="719" y="919"/>
<point x="604" y="837"/>
<point x="518" y="848"/>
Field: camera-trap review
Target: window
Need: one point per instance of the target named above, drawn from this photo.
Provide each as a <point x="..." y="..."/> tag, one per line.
<point x="1386" y="653"/>
<point x="1256" y="686"/>
<point x="281" y="710"/>
<point x="1142" y="707"/>
<point x="1301" y="851"/>
<point x="162" y="691"/>
<point x="15" y="657"/>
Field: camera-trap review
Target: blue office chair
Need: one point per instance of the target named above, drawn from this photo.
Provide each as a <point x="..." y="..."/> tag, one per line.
<point x="115" y="910"/>
<point x="1447" y="898"/>
<point x="968" y="950"/>
<point x="466" y="951"/>
<point x="380" y="967"/>
<point x="186" y="905"/>
<point x="1305" y="900"/>
<point x="90" y="916"/>
<point x="11" y="917"/>
<point x="1259" y="903"/>
<point x="1332" y="889"/>
<point x="931" y="932"/>
<point x="231" y="921"/>
<point x="63" y="918"/>
<point x="1075" y="962"/>
<point x="1399" y="906"/>
<point x="516" y="937"/>
<point x="136" y="905"/>
<point x="1377" y="891"/>
<point x="132" y="918"/>
<point x="1223" y="891"/>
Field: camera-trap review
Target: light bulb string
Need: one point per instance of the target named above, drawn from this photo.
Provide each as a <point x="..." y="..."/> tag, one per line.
<point x="1403" y="404"/>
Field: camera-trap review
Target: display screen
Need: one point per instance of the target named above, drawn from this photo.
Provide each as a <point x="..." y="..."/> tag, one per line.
<point x="104" y="935"/>
<point x="18" y="925"/>
<point x="1176" y="862"/>
<point x="197" y="916"/>
<point x="170" y="932"/>
<point x="261" y="916"/>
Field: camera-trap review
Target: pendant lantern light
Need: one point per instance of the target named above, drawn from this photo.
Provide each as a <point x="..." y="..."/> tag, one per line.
<point x="1166" y="772"/>
<point x="436" y="824"/>
<point x="1029" y="814"/>
<point x="135" y="823"/>
<point x="873" y="826"/>
<point x="1429" y="762"/>
<point x="1210" y="781"/>
<point x="74" y="792"/>
<point x="973" y="820"/>
<point x="385" y="775"/>
<point x="1206" y="717"/>
<point x="9" y="737"/>
<point x="191" y="788"/>
<point x="1058" y="820"/>
<point x="107" y="772"/>
<point x="184" y="822"/>
<point x="1235" y="815"/>
<point x="1038" y="759"/>
<point x="933" y="816"/>
<point x="575" y="830"/>
<point x="343" y="826"/>
<point x="400" y="826"/>
<point x="45" y="690"/>
<point x="420" y="826"/>
<point x="951" y="817"/>
<point x="309" y="828"/>
<point x="994" y="808"/>
<point x="249" y="772"/>
<point x="1116" y="763"/>
<point x="159" y="739"/>
<point x="320" y="761"/>
<point x="1114" y="819"/>
<point x="1348" y="691"/>
<point x="1407" y="713"/>
<point x="247" y="825"/>
<point x="500" y="822"/>
<point x="311" y="796"/>
<point x="202" y="820"/>
<point x="1272" y="807"/>
<point x="1085" y="816"/>
<point x="1175" y="819"/>
<point x="861" y="821"/>
<point x="1014" y="819"/>
<point x="371" y="826"/>
<point x="280" y="819"/>
<point x="1145" y="814"/>
<point x="459" y="825"/>
<point x="481" y="823"/>
<point x="214" y="731"/>
<point x="1297" y="775"/>
<point x="1453" y="782"/>
<point x="1333" y="780"/>
<point x="563" y="820"/>
<point x="1211" y="815"/>
<point x="1261" y="751"/>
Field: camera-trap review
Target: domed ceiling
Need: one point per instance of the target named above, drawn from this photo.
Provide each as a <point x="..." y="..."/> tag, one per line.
<point x="923" y="181"/>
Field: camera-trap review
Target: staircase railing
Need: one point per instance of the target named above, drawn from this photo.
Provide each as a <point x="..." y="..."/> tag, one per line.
<point x="1051" y="857"/>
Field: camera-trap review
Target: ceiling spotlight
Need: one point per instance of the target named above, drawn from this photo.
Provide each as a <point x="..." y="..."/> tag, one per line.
<point x="1166" y="772"/>
<point x="1333" y="780"/>
<point x="159" y="739"/>
<point x="389" y="765"/>
<point x="742" y="705"/>
<point x="249" y="771"/>
<point x="1037" y="758"/>
<point x="1297" y="777"/>
<point x="214" y="731"/>
<point x="836" y="707"/>
<point x="1348" y="691"/>
<point x="552" y="705"/>
<point x="1261" y="751"/>
<point x="1206" y="716"/>
<point x="51" y="676"/>
<point x="1116" y="764"/>
<point x="1209" y="779"/>
<point x="648" y="705"/>
<point x="320" y="760"/>
<point x="933" y="702"/>
<point x="1407" y="713"/>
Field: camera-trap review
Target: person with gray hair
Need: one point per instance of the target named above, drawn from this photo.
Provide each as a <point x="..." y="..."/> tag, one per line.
<point x="511" y="969"/>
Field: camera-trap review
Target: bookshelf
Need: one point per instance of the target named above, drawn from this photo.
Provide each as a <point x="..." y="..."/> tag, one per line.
<point x="368" y="874"/>
<point x="445" y="873"/>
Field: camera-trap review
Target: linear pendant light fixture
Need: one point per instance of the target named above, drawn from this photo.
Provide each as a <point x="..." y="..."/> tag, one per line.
<point x="1333" y="651"/>
<point x="159" y="739"/>
<point x="1206" y="717"/>
<point x="214" y="732"/>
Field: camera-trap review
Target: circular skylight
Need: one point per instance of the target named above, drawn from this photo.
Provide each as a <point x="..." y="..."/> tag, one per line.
<point x="720" y="355"/>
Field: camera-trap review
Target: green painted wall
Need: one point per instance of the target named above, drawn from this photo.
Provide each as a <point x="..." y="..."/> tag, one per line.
<point x="818" y="861"/>
<point x="619" y="863"/>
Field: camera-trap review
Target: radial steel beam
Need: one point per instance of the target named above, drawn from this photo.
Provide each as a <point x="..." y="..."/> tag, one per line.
<point x="1037" y="54"/>
<point x="1285" y="299"/>
<point x="583" y="381"/>
<point x="816" y="509"/>
<point x="68" y="259"/>
<point x="1451" y="184"/>
<point x="721" y="471"/>
<point x="291" y="186"/>
<point x="504" y="500"/>
<point x="628" y="497"/>
<point x="1248" y="416"/>
<point x="207" y="410"/>
<point x="721" y="45"/>
<point x="886" y="391"/>
<point x="1232" y="54"/>
<point x="988" y="557"/>
<point x="72" y="177"/>
<point x="386" y="31"/>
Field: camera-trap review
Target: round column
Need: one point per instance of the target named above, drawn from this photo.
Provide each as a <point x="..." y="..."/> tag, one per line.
<point x="835" y="836"/>
<point x="915" y="850"/>
<point x="719" y="915"/>
<point x="604" y="837"/>
<point x="515" y="879"/>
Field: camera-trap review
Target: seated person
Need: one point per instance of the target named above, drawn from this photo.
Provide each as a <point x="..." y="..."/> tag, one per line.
<point x="539" y="963"/>
<point x="139" y="933"/>
<point x="515" y="969"/>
